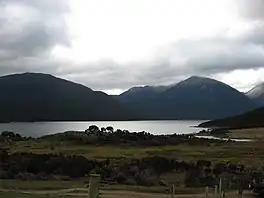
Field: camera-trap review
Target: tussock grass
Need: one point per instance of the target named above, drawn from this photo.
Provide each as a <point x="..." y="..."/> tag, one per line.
<point x="250" y="153"/>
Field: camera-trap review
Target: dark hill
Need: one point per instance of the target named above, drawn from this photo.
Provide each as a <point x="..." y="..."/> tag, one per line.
<point x="139" y="99"/>
<point x="204" y="98"/>
<point x="251" y="119"/>
<point x="43" y="97"/>
<point x="140" y="94"/>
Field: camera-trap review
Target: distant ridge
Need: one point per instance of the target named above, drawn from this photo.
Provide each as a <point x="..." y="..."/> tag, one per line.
<point x="140" y="94"/>
<point x="193" y="98"/>
<point x="257" y="94"/>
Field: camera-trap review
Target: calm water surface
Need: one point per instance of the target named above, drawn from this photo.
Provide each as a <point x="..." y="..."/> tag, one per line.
<point x="36" y="129"/>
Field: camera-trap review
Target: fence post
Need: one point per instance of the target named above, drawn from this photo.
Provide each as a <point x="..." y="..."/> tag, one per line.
<point x="94" y="185"/>
<point x="206" y="191"/>
<point x="216" y="191"/>
<point x="240" y="192"/>
<point x="224" y="186"/>
<point x="172" y="190"/>
<point x="220" y="187"/>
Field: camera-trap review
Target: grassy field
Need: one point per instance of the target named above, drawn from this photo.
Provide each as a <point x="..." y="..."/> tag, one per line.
<point x="250" y="153"/>
<point x="28" y="195"/>
<point x="114" y="194"/>
<point x="81" y="186"/>
<point x="40" y="184"/>
<point x="242" y="152"/>
<point x="77" y="188"/>
<point x="23" y="195"/>
<point x="61" y="189"/>
<point x="255" y="134"/>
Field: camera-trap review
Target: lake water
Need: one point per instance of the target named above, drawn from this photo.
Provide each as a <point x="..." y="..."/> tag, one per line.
<point x="36" y="129"/>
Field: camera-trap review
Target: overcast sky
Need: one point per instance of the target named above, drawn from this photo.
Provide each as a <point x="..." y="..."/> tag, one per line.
<point x="112" y="45"/>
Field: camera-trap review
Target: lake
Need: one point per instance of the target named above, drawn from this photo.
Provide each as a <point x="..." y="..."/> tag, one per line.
<point x="36" y="129"/>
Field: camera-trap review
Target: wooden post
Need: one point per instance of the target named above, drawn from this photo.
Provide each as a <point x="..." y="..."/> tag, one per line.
<point x="220" y="187"/>
<point x="172" y="190"/>
<point x="94" y="185"/>
<point x="206" y="191"/>
<point x="240" y="192"/>
<point x="216" y="191"/>
<point x="224" y="186"/>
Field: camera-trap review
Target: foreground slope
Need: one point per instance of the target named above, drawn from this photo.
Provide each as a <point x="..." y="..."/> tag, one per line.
<point x="251" y="119"/>
<point x="43" y="97"/>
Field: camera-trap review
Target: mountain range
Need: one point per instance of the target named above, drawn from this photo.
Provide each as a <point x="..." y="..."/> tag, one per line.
<point x="193" y="98"/>
<point x="43" y="97"/>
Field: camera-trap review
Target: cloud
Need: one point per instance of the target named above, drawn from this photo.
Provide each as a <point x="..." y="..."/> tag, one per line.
<point x="208" y="56"/>
<point x="251" y="9"/>
<point x="31" y="29"/>
<point x="243" y="80"/>
<point x="255" y="33"/>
